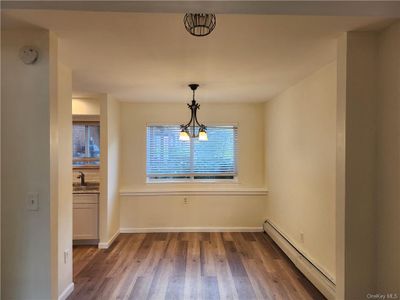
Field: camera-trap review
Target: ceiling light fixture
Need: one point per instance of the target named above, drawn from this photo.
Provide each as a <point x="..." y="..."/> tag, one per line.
<point x="200" y="24"/>
<point x="189" y="130"/>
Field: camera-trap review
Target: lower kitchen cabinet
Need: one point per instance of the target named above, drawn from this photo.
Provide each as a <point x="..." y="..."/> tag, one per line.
<point x="85" y="217"/>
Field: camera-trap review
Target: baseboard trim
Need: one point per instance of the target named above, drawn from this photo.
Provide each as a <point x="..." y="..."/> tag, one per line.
<point x="68" y="291"/>
<point x="106" y="245"/>
<point x="319" y="279"/>
<point x="191" y="229"/>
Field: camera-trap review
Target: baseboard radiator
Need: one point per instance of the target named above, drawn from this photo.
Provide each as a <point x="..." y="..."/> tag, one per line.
<point x="319" y="279"/>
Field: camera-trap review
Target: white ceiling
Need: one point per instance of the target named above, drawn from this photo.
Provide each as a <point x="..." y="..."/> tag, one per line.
<point x="149" y="57"/>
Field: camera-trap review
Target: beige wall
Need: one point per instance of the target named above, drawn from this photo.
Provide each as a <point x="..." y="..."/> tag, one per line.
<point x="37" y="139"/>
<point x="103" y="205"/>
<point x="1" y="168"/>
<point x="54" y="162"/>
<point x="388" y="164"/>
<point x="358" y="108"/>
<point x="64" y="177"/>
<point x="368" y="167"/>
<point x="85" y="106"/>
<point x="205" y="210"/>
<point x="26" y="237"/>
<point x="135" y="117"/>
<point x="340" y="165"/>
<point x="300" y="149"/>
<point x="109" y="168"/>
<point x="113" y="127"/>
<point x="165" y="212"/>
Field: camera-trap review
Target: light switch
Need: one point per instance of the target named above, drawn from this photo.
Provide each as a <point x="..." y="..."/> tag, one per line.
<point x="32" y="201"/>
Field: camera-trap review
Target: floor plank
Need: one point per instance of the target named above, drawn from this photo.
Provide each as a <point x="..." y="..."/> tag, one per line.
<point x="186" y="265"/>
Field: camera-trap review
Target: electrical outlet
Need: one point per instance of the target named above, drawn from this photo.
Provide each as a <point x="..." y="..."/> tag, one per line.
<point x="32" y="201"/>
<point x="302" y="237"/>
<point x="66" y="256"/>
<point x="185" y="200"/>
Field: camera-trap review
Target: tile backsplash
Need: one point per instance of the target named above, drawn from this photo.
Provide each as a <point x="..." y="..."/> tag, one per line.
<point x="91" y="175"/>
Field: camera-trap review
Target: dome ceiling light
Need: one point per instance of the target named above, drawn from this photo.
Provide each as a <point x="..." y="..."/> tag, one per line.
<point x="200" y="24"/>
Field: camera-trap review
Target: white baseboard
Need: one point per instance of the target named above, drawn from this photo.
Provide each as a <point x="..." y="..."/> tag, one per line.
<point x="106" y="245"/>
<point x="68" y="291"/>
<point x="191" y="229"/>
<point x="319" y="279"/>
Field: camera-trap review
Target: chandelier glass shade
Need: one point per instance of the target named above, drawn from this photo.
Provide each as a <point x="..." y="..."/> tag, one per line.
<point x="200" y="24"/>
<point x="189" y="130"/>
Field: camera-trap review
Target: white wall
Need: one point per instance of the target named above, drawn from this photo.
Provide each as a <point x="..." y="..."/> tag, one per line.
<point x="26" y="238"/>
<point x="64" y="177"/>
<point x="300" y="150"/>
<point x="141" y="211"/>
<point x="388" y="163"/>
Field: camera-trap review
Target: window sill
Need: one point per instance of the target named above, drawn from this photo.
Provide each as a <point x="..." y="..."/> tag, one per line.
<point x="191" y="181"/>
<point x="86" y="167"/>
<point x="197" y="192"/>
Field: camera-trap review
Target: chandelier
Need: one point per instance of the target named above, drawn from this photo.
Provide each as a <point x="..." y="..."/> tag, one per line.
<point x="200" y="24"/>
<point x="189" y="130"/>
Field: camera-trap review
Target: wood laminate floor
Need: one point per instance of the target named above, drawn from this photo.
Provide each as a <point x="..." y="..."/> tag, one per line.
<point x="188" y="266"/>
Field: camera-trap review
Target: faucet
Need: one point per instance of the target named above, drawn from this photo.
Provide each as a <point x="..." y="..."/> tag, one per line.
<point x="82" y="177"/>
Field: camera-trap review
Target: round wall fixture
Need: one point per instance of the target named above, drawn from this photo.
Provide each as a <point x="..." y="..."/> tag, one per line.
<point x="200" y="24"/>
<point x="28" y="54"/>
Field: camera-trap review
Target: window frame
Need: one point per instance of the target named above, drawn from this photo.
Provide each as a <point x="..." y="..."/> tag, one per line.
<point x="191" y="179"/>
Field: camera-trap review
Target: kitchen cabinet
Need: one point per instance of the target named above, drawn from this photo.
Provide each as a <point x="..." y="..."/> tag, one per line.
<point x="86" y="216"/>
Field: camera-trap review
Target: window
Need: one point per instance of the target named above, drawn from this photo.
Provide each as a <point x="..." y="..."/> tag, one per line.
<point x="169" y="159"/>
<point x="86" y="144"/>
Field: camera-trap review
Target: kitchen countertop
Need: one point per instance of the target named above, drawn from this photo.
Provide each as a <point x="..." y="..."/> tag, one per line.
<point x="86" y="192"/>
<point x="89" y="188"/>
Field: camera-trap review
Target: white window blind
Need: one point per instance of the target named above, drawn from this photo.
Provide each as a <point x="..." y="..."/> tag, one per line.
<point x="170" y="158"/>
